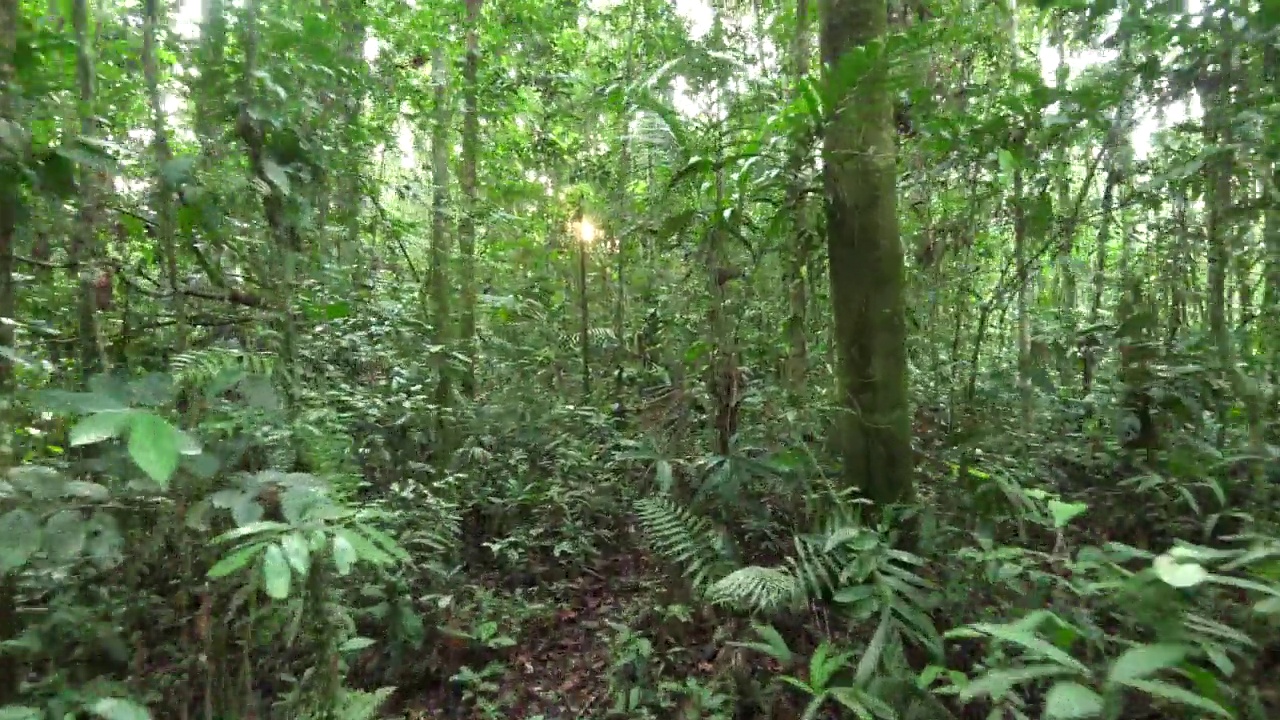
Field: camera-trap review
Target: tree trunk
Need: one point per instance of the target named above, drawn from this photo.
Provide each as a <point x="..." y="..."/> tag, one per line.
<point x="798" y="258"/>
<point x="83" y="239"/>
<point x="164" y="193"/>
<point x="866" y="264"/>
<point x="440" y="242"/>
<point x="467" y="180"/>
<point x="10" y="672"/>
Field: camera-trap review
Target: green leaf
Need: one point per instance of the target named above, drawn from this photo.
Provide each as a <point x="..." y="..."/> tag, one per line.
<point x="64" y="534"/>
<point x="119" y="709"/>
<point x="105" y="545"/>
<point x="1177" y="574"/>
<point x="384" y="541"/>
<point x="1068" y="700"/>
<point x="276" y="174"/>
<point x="153" y="445"/>
<point x="355" y="644"/>
<point x="245" y="509"/>
<point x="773" y="639"/>
<point x="875" y="648"/>
<point x="99" y="427"/>
<point x="187" y="445"/>
<point x="1063" y="513"/>
<point x="1270" y="606"/>
<point x="84" y="490"/>
<point x="998" y="683"/>
<point x="365" y="548"/>
<point x="81" y="152"/>
<point x="20" y="712"/>
<point x="296" y="552"/>
<point x="236" y="560"/>
<point x="275" y="571"/>
<point x="1144" y="660"/>
<point x="56" y="174"/>
<point x="19" y="539"/>
<point x="1007" y="162"/>
<point x="251" y="529"/>
<point x="344" y="555"/>
<point x="664" y="476"/>
<point x="177" y="171"/>
<point x="1033" y="644"/>
<point x="1173" y="693"/>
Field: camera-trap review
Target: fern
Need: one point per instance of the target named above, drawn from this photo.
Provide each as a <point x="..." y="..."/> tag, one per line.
<point x="760" y="589"/>
<point x="685" y="539"/>
<point x="356" y="705"/>
<point x="596" y="337"/>
<point x="199" y="368"/>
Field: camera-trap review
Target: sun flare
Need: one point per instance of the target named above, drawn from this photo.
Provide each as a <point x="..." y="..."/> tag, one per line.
<point x="587" y="231"/>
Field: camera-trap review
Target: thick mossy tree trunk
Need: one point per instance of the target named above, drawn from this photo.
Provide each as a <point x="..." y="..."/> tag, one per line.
<point x="866" y="260"/>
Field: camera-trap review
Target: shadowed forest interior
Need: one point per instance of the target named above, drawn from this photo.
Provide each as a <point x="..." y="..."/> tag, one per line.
<point x="639" y="359"/>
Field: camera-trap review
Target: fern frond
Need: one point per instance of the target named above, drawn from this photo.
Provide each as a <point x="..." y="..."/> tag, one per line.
<point x="201" y="367"/>
<point x="815" y="570"/>
<point x="684" y="539"/>
<point x="362" y="705"/>
<point x="758" y="589"/>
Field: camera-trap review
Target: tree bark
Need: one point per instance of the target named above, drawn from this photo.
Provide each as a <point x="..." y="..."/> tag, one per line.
<point x="798" y="260"/>
<point x="866" y="263"/>
<point x="467" y="180"/>
<point x="440" y="242"/>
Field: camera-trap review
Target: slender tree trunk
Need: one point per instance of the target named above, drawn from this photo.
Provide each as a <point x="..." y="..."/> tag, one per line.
<point x="1066" y="228"/>
<point x="352" y="184"/>
<point x="1220" y="236"/>
<point x="623" y="213"/>
<point x="584" y="308"/>
<point x="10" y="197"/>
<point x="1271" y="244"/>
<point x="724" y="376"/>
<point x="798" y="257"/>
<point x="84" y="237"/>
<point x="1025" y="390"/>
<point x="866" y="264"/>
<point x="286" y="243"/>
<point x="1092" y="347"/>
<point x="467" y="180"/>
<point x="164" y="193"/>
<point x="440" y="240"/>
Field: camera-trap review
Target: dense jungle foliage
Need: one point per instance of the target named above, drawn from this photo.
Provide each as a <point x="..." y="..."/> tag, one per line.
<point x="707" y="359"/>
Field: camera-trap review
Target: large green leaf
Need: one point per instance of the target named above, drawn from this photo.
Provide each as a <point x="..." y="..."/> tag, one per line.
<point x="296" y="552"/>
<point x="99" y="427"/>
<point x="19" y="539"/>
<point x="154" y="446"/>
<point x="998" y="683"/>
<point x="65" y="533"/>
<point x="1070" y="700"/>
<point x="365" y="549"/>
<point x="1033" y="644"/>
<point x="344" y="554"/>
<point x="1179" y="574"/>
<point x="275" y="572"/>
<point x="1145" y="660"/>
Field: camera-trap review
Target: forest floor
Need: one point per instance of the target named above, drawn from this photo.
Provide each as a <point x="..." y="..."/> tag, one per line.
<point x="572" y="648"/>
